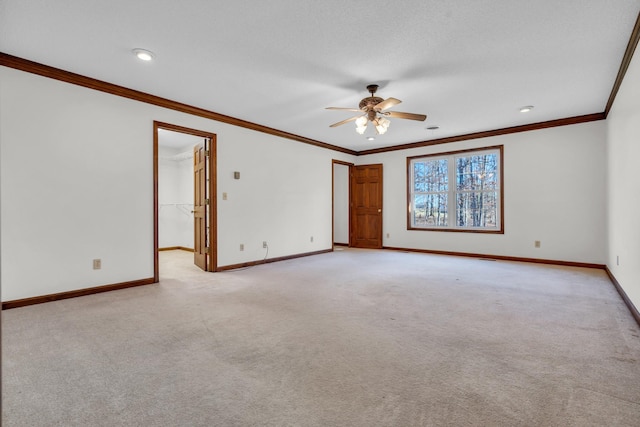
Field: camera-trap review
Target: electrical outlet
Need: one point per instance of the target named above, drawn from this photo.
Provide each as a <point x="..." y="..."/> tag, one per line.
<point x="388" y="235"/>
<point x="311" y="239"/>
<point x="97" y="264"/>
<point x="536" y="243"/>
<point x="264" y="244"/>
<point x="224" y="196"/>
<point x="241" y="246"/>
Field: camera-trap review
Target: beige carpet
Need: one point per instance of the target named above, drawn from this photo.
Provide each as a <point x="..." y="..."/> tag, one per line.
<point x="349" y="338"/>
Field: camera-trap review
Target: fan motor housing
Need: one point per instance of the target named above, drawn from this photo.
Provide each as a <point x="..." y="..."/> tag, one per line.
<point x="369" y="102"/>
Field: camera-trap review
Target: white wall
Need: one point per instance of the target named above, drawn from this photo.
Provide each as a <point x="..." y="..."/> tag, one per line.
<point x="554" y="191"/>
<point x="341" y="203"/>
<point x="623" y="183"/>
<point x="184" y="223"/>
<point x="175" y="198"/>
<point x="77" y="184"/>
<point x="77" y="181"/>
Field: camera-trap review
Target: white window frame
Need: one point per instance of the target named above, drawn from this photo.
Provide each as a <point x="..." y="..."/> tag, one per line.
<point x="452" y="191"/>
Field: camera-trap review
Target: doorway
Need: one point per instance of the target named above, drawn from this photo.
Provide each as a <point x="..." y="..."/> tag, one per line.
<point x="341" y="205"/>
<point x="357" y="205"/>
<point x="185" y="194"/>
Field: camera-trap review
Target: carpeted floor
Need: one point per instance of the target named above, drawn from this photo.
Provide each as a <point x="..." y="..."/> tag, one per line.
<point x="349" y="338"/>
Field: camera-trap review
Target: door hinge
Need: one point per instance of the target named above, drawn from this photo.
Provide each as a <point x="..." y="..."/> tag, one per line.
<point x="206" y="250"/>
<point x="207" y="153"/>
<point x="207" y="201"/>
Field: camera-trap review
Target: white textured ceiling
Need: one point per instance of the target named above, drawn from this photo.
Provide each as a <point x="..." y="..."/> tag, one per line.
<point x="177" y="141"/>
<point x="468" y="64"/>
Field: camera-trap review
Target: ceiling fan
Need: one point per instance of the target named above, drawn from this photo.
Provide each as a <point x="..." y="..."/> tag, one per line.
<point x="373" y="109"/>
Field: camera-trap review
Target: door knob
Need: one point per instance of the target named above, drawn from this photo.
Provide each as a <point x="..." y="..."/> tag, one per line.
<point x="379" y="210"/>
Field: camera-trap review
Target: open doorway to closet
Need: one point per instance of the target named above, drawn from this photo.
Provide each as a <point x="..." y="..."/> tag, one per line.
<point x="184" y="195"/>
<point x="341" y="202"/>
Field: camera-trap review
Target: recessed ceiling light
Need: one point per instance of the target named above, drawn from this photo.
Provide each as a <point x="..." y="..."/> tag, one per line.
<point x="370" y="138"/>
<point x="526" y="109"/>
<point x="143" y="54"/>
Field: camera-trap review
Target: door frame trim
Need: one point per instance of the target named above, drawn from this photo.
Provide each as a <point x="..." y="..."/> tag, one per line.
<point x="212" y="263"/>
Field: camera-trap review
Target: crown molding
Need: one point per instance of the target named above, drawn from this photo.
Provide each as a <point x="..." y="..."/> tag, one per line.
<point x="88" y="82"/>
<point x="488" y="133"/>
<point x="626" y="60"/>
<point x="102" y="86"/>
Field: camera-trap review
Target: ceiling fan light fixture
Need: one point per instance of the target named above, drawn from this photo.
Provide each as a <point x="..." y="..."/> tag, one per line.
<point x="373" y="109"/>
<point x="382" y="124"/>
<point x="143" y="54"/>
<point x="361" y="124"/>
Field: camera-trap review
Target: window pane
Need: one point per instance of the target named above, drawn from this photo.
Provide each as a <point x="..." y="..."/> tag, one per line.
<point x="477" y="172"/>
<point x="430" y="176"/>
<point x="473" y="199"/>
<point x="477" y="209"/>
<point x="419" y="181"/>
<point x="419" y="209"/>
<point x="430" y="210"/>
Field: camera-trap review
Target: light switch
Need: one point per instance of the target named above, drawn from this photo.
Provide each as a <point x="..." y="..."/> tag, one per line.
<point x="224" y="196"/>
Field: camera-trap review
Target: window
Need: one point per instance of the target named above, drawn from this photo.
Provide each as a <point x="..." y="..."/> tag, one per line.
<point x="456" y="191"/>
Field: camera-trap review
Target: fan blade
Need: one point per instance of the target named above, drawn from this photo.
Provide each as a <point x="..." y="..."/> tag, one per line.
<point x="350" y="119"/>
<point x="387" y="103"/>
<point x="410" y="116"/>
<point x="343" y="109"/>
